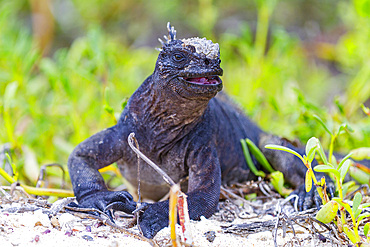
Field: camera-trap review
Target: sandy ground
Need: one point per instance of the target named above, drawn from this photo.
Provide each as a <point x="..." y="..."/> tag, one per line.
<point x="64" y="229"/>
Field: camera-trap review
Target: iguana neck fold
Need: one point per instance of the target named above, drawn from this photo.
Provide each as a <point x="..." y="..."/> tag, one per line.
<point x="158" y="107"/>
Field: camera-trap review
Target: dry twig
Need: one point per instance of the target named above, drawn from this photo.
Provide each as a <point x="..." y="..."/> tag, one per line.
<point x="131" y="139"/>
<point x="176" y="193"/>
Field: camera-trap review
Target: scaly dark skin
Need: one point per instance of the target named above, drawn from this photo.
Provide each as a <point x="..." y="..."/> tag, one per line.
<point x="187" y="130"/>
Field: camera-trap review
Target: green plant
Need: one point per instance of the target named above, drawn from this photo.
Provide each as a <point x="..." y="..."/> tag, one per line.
<point x="277" y="177"/>
<point x="329" y="211"/>
<point x="29" y="189"/>
<point x="102" y="51"/>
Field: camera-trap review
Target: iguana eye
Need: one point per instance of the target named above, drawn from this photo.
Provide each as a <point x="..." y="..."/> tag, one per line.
<point x="178" y="57"/>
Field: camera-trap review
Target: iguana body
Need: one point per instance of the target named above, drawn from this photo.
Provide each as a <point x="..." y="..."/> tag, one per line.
<point x="183" y="128"/>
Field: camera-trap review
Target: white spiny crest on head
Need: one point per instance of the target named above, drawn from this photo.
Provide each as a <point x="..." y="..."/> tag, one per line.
<point x="202" y="45"/>
<point x="170" y="37"/>
<point x="171" y="32"/>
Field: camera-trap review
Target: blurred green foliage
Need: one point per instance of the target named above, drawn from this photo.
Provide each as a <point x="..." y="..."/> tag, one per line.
<point x="274" y="67"/>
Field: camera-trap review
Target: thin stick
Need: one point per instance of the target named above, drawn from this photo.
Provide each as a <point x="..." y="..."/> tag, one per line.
<point x="131" y="138"/>
<point x="362" y="187"/>
<point x="42" y="175"/>
<point x="138" y="187"/>
<point x="175" y="193"/>
<point x="138" y="171"/>
<point x="240" y="198"/>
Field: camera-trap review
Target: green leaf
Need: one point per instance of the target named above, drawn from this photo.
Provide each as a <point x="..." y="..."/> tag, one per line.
<point x="323" y="124"/>
<point x="356" y="203"/>
<point x="327" y="213"/>
<point x="361" y="153"/>
<point x="323" y="156"/>
<point x="282" y="148"/>
<point x="250" y="196"/>
<point x="347" y="186"/>
<point x="249" y="160"/>
<point x="259" y="156"/>
<point x="344" y="169"/>
<point x="359" y="175"/>
<point x="365" y="109"/>
<point x="344" y="160"/>
<point x="124" y="103"/>
<point x="334" y="160"/>
<point x="6" y="176"/>
<point x="365" y="205"/>
<point x="9" y="94"/>
<point x="14" y="167"/>
<point x="361" y="217"/>
<point x="311" y="146"/>
<point x="108" y="109"/>
<point x="351" y="235"/>
<point x="366" y="229"/>
<point x="345" y="205"/>
<point x="344" y="127"/>
<point x="326" y="168"/>
<point x="308" y="181"/>
<point x="277" y="181"/>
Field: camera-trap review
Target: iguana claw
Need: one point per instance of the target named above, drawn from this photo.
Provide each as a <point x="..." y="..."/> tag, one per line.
<point x="307" y="200"/>
<point x="107" y="200"/>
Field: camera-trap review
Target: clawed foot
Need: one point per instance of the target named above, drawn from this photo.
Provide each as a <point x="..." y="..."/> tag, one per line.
<point x="307" y="200"/>
<point x="154" y="218"/>
<point x="107" y="200"/>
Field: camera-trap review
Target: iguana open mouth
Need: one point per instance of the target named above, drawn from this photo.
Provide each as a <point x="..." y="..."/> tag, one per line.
<point x="208" y="80"/>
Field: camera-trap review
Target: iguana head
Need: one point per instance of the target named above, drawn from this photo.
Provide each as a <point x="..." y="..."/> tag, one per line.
<point x="190" y="67"/>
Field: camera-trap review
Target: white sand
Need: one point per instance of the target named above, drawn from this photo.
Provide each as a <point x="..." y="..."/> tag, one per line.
<point x="36" y="229"/>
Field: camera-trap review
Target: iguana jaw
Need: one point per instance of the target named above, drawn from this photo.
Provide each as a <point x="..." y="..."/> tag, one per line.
<point x="208" y="80"/>
<point x="198" y="86"/>
<point x="197" y="81"/>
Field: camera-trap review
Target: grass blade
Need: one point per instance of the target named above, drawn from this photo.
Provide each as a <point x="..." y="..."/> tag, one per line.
<point x="249" y="160"/>
<point x="259" y="156"/>
<point x="285" y="149"/>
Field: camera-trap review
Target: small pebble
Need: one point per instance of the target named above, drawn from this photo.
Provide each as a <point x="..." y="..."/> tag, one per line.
<point x="114" y="244"/>
<point x="46" y="231"/>
<point x="38" y="223"/>
<point x="67" y="220"/>
<point x="69" y="233"/>
<point x="322" y="238"/>
<point x="98" y="224"/>
<point x="210" y="236"/>
<point x="37" y="238"/>
<point x="88" y="228"/>
<point x="87" y="238"/>
<point x="101" y="235"/>
<point x="54" y="221"/>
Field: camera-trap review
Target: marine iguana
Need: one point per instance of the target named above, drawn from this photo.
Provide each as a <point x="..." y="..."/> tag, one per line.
<point x="186" y="126"/>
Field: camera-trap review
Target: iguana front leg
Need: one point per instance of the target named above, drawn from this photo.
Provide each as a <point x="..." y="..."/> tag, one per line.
<point x="203" y="192"/>
<point x="98" y="151"/>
